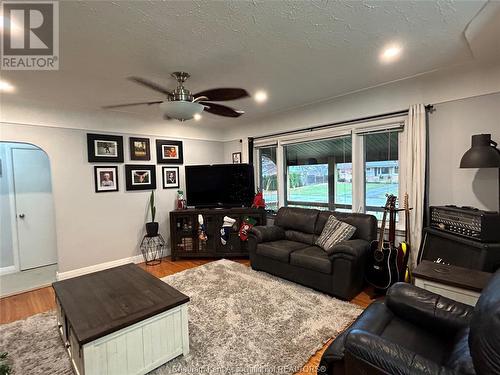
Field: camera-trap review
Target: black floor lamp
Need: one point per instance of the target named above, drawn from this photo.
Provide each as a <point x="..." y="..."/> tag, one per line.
<point x="483" y="154"/>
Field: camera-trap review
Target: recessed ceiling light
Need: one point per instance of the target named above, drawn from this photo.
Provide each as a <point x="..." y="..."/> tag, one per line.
<point x="260" y="96"/>
<point x="390" y="53"/>
<point x="6" y="86"/>
<point x="197" y="117"/>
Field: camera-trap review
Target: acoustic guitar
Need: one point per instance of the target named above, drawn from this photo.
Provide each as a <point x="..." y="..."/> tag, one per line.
<point x="382" y="270"/>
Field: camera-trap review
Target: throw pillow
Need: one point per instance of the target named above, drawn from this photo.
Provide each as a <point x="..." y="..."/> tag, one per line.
<point x="335" y="231"/>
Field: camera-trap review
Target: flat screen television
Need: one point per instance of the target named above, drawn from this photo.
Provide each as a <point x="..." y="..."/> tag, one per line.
<point x="220" y="185"/>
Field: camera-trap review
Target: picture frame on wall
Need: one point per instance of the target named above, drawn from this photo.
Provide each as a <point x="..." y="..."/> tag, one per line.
<point x="140" y="176"/>
<point x="236" y="157"/>
<point x="104" y="148"/>
<point x="139" y="148"/>
<point x="106" y="179"/>
<point x="169" y="152"/>
<point x="170" y="177"/>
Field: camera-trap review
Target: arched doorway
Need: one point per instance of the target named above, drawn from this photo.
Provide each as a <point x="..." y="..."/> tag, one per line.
<point x="28" y="254"/>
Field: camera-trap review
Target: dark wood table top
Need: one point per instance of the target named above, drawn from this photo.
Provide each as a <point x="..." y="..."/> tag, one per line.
<point x="459" y="277"/>
<point x="104" y="302"/>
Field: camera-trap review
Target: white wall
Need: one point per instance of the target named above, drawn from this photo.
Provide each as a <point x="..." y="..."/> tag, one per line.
<point x="462" y="81"/>
<point x="229" y="148"/>
<point x="450" y="130"/>
<point x="95" y="228"/>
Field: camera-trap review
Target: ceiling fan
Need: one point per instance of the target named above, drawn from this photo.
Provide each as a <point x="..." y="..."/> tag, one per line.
<point x="180" y="104"/>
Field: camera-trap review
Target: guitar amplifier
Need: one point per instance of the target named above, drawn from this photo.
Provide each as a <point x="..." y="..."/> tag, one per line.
<point x="467" y="222"/>
<point x="449" y="248"/>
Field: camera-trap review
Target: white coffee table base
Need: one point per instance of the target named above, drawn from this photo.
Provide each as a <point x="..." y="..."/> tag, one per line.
<point x="134" y="350"/>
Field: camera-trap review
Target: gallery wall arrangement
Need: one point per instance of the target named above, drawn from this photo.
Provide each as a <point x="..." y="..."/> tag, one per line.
<point x="106" y="148"/>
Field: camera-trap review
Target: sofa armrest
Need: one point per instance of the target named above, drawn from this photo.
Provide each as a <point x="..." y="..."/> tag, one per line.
<point x="349" y="249"/>
<point x="267" y="233"/>
<point x="427" y="309"/>
<point x="369" y="353"/>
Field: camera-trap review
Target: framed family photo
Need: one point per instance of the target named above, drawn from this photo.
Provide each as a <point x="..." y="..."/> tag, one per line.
<point x="170" y="177"/>
<point x="104" y="148"/>
<point x="139" y="148"/>
<point x="169" y="152"/>
<point x="140" y="177"/>
<point x="236" y="157"/>
<point x="106" y="179"/>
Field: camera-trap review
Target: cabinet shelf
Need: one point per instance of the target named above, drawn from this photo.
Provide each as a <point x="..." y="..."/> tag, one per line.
<point x="186" y="244"/>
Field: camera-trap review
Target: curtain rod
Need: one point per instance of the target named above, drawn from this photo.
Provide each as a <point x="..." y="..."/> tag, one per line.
<point x="429" y="108"/>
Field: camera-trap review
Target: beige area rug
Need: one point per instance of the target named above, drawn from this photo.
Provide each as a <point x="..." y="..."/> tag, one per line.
<point x="240" y="322"/>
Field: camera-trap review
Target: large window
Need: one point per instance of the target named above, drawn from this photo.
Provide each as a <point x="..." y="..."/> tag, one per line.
<point x="381" y="170"/>
<point x="346" y="168"/>
<point x="268" y="178"/>
<point x="319" y="174"/>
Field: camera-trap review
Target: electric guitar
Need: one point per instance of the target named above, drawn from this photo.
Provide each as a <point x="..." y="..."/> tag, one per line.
<point x="382" y="270"/>
<point x="404" y="247"/>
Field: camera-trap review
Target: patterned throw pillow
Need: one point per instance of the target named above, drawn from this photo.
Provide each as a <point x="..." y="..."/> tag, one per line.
<point x="335" y="231"/>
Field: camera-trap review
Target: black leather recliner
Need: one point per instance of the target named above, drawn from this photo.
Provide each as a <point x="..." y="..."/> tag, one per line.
<point x="414" y="331"/>
<point x="287" y="249"/>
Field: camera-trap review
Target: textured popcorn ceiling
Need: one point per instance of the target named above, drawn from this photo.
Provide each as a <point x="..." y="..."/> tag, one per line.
<point x="300" y="52"/>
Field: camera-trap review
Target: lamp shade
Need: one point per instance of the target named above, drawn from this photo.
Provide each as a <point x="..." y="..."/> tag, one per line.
<point x="181" y="110"/>
<point x="482" y="154"/>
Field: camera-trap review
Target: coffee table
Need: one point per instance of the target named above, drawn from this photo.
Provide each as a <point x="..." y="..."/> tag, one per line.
<point x="121" y="321"/>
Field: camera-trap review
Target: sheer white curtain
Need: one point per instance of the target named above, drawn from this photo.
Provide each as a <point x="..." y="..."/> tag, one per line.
<point x="413" y="158"/>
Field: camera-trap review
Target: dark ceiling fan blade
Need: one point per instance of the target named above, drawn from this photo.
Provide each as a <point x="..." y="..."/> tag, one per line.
<point x="222" y="94"/>
<point x="221" y="110"/>
<point x="151" y="85"/>
<point x="131" y="104"/>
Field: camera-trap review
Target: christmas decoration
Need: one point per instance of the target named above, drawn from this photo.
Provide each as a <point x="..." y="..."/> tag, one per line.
<point x="226" y="229"/>
<point x="245" y="227"/>
<point x="258" y="201"/>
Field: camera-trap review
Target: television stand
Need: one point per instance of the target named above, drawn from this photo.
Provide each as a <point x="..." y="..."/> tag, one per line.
<point x="184" y="241"/>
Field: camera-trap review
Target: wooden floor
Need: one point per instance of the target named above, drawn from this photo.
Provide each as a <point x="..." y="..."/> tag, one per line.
<point x="30" y="303"/>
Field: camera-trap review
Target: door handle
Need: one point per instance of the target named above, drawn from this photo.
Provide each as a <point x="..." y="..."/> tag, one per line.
<point x="21" y="216"/>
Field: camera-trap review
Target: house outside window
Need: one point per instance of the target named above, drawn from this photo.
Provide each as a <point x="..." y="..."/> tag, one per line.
<point x="381" y="170"/>
<point x="319" y="174"/>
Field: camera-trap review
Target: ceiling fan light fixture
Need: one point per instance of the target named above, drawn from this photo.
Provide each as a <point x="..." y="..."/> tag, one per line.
<point x="181" y="110"/>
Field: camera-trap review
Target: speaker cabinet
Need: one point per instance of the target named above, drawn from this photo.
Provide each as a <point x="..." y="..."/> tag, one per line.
<point x="459" y="251"/>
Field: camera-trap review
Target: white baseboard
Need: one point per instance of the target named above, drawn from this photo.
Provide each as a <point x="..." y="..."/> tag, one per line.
<point x="98" y="267"/>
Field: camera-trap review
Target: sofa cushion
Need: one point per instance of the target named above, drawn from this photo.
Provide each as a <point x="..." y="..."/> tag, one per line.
<point x="334" y="232"/>
<point x="366" y="225"/>
<point x="298" y="219"/>
<point x="293" y="235"/>
<point x="313" y="258"/>
<point x="428" y="344"/>
<point x="279" y="250"/>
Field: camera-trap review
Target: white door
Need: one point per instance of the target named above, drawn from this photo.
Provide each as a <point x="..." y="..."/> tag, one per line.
<point x="34" y="208"/>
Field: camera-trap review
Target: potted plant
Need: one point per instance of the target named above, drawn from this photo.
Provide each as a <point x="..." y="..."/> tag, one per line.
<point x="152" y="226"/>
